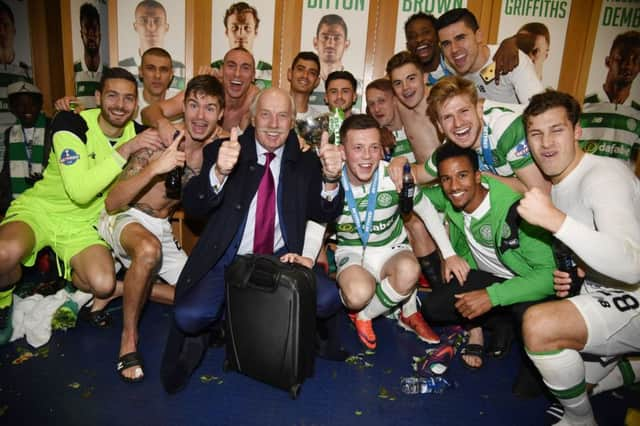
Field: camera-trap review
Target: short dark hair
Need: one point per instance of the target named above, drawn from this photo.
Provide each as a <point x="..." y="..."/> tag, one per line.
<point x="207" y="85"/>
<point x="357" y="122"/>
<point x="306" y="56"/>
<point x="542" y="102"/>
<point x="116" y="73"/>
<point x="156" y="51"/>
<point x="241" y="8"/>
<point x="536" y="29"/>
<point x="332" y="19"/>
<point x="341" y="75"/>
<point x="450" y="150"/>
<point x="626" y="40"/>
<point x="418" y="16"/>
<point x="88" y="12"/>
<point x="4" y="8"/>
<point x="403" y="58"/>
<point x="456" y="15"/>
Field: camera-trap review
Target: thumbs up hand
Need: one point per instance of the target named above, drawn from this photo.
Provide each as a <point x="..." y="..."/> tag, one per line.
<point x="330" y="157"/>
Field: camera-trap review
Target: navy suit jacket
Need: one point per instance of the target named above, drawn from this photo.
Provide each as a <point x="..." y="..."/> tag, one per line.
<point x="299" y="200"/>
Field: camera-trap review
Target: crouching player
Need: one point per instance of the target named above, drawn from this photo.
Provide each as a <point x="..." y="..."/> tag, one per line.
<point x="376" y="267"/>
<point x="579" y="341"/>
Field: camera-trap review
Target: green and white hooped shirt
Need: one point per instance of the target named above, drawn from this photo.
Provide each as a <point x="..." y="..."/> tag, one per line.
<point x="10" y="73"/>
<point x="403" y="146"/>
<point x="610" y="130"/>
<point x="387" y="228"/>
<point x="86" y="83"/>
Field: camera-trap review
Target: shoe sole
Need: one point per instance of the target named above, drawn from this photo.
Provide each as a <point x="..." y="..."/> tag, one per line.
<point x="366" y="342"/>
<point x="411" y="330"/>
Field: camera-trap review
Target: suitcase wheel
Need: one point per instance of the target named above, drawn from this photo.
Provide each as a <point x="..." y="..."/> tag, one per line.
<point x="294" y="391"/>
<point x="226" y="366"/>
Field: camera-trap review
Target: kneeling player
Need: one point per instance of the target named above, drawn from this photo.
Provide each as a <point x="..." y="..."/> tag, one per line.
<point x="376" y="267"/>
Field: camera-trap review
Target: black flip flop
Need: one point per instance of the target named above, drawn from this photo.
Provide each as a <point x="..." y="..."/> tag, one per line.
<point x="472" y="349"/>
<point x="99" y="319"/>
<point x="500" y="342"/>
<point x="132" y="359"/>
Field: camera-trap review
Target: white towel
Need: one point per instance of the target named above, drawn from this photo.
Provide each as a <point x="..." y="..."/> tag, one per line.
<point x="32" y="315"/>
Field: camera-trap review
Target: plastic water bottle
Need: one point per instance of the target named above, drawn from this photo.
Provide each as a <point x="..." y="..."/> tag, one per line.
<point x="408" y="190"/>
<point x="416" y="385"/>
<point x="335" y="121"/>
<point x="567" y="263"/>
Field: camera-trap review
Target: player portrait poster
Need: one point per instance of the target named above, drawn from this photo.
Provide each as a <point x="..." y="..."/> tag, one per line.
<point x="150" y="23"/>
<point x="248" y="25"/>
<point x="337" y="50"/>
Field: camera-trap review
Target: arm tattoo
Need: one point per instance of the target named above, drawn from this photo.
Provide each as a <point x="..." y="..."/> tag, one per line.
<point x="137" y="162"/>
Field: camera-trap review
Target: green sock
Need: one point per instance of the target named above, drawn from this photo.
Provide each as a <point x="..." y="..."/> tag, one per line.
<point x="6" y="296"/>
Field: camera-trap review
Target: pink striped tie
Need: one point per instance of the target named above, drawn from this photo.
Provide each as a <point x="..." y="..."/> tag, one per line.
<point x="265" y="211"/>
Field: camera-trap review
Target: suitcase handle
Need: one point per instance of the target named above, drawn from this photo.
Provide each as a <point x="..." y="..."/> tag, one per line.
<point x="257" y="271"/>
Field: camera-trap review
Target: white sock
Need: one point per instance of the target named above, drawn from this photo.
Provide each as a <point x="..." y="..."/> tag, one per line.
<point x="410" y="304"/>
<point x="626" y="372"/>
<point x="384" y="299"/>
<point x="563" y="373"/>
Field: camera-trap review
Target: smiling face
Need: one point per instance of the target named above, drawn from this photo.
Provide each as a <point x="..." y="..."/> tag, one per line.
<point x="156" y="72"/>
<point x="238" y="73"/>
<point x="362" y="151"/>
<point x="461" y="183"/>
<point x="461" y="46"/>
<point x="422" y="39"/>
<point x="201" y="115"/>
<point x="553" y="143"/>
<point x="408" y="84"/>
<point x="304" y="76"/>
<point x="461" y="121"/>
<point x="26" y="106"/>
<point x="241" y="30"/>
<point x="118" y="101"/>
<point x="273" y="118"/>
<point x="381" y="106"/>
<point x="340" y="94"/>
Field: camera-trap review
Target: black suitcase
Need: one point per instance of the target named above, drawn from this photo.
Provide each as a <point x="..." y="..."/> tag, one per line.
<point x="270" y="321"/>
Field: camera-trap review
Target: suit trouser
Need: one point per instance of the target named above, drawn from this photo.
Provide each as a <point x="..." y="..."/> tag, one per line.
<point x="438" y="306"/>
<point x="203" y="304"/>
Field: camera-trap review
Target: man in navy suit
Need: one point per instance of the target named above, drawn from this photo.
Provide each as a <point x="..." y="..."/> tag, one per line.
<point x="226" y="191"/>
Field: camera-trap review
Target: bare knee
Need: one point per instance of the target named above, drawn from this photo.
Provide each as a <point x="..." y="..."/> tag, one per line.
<point x="102" y="281"/>
<point x="537" y="329"/>
<point x="356" y="295"/>
<point x="405" y="275"/>
<point x="10" y="255"/>
<point x="147" y="253"/>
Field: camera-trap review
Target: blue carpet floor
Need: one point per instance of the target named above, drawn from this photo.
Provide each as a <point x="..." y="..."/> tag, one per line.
<point x="72" y="381"/>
